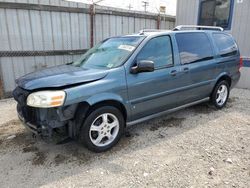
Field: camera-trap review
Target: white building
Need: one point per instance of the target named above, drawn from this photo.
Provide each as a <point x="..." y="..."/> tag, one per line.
<point x="232" y="15"/>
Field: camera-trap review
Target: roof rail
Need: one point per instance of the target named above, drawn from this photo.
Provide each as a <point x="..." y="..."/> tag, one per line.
<point x="150" y="30"/>
<point x="199" y="27"/>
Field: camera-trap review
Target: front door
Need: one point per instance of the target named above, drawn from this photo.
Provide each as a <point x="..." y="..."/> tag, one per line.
<point x="152" y="92"/>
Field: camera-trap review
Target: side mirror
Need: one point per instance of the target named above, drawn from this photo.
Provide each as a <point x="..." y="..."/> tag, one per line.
<point x="143" y="66"/>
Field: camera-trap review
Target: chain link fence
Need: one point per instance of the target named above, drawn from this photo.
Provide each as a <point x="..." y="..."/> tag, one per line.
<point x="35" y="36"/>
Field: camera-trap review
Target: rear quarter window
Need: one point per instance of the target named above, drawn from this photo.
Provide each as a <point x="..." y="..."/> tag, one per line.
<point x="225" y="44"/>
<point x="194" y="47"/>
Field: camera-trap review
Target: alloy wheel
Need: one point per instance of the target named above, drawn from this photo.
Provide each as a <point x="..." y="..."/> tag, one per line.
<point x="104" y="129"/>
<point x="221" y="95"/>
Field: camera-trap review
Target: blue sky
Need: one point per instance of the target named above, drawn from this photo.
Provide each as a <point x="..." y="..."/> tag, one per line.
<point x="137" y="4"/>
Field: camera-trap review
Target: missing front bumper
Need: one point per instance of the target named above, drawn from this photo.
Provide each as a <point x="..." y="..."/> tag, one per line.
<point x="44" y="121"/>
<point x="38" y="130"/>
<point x="48" y="122"/>
<point x="47" y="134"/>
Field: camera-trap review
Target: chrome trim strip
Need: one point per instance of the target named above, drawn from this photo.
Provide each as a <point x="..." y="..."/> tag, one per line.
<point x="166" y="112"/>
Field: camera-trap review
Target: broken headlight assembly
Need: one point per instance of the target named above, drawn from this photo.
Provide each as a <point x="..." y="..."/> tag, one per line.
<point x="46" y="99"/>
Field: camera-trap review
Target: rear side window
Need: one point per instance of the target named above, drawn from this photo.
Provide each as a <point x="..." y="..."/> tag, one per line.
<point x="194" y="47"/>
<point x="225" y="44"/>
<point x="158" y="50"/>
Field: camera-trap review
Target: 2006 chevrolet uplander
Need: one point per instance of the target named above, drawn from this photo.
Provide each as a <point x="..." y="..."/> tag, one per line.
<point x="129" y="79"/>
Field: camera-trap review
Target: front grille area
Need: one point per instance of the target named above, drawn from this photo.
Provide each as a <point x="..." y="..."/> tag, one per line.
<point x="41" y="121"/>
<point x="29" y="114"/>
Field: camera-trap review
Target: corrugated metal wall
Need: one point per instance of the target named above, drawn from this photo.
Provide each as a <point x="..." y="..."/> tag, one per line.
<point x="33" y="28"/>
<point x="241" y="26"/>
<point x="187" y="13"/>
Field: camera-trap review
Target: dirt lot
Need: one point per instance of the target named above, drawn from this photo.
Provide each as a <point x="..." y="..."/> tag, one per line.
<point x="195" y="147"/>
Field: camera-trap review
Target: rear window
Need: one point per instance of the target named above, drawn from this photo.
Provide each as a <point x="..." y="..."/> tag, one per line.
<point x="225" y="44"/>
<point x="194" y="47"/>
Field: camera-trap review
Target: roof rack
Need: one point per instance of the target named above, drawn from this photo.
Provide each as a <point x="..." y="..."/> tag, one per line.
<point x="199" y="27"/>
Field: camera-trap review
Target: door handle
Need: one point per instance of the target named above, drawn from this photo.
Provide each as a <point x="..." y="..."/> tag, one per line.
<point x="173" y="72"/>
<point x="186" y="69"/>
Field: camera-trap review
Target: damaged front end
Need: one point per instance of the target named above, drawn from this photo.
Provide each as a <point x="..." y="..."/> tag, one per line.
<point x="46" y="122"/>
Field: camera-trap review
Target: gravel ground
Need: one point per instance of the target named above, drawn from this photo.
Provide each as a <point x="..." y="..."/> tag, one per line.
<point x="195" y="147"/>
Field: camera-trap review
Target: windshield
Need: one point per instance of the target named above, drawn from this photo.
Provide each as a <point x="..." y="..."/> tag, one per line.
<point x="109" y="53"/>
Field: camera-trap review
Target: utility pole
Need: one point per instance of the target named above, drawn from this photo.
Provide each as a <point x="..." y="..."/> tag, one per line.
<point x="158" y="23"/>
<point x="145" y="4"/>
<point x="129" y="6"/>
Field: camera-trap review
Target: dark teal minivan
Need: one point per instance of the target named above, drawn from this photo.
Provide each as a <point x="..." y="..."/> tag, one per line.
<point x="127" y="80"/>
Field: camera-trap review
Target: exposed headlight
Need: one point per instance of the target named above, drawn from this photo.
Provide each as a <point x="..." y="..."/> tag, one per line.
<point x="46" y="99"/>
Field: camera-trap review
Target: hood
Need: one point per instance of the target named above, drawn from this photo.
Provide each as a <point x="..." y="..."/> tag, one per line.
<point x="59" y="76"/>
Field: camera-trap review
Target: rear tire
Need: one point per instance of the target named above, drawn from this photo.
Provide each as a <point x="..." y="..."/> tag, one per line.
<point x="102" y="129"/>
<point x="220" y="94"/>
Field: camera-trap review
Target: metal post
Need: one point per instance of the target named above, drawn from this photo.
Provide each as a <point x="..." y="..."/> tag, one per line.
<point x="158" y="21"/>
<point x="1" y="82"/>
<point x="92" y="14"/>
<point x="1" y="87"/>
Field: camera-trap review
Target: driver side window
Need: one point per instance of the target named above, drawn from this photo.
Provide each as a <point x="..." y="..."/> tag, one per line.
<point x="158" y="50"/>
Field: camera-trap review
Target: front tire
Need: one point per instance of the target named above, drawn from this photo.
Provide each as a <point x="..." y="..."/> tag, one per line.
<point x="102" y="129"/>
<point x="220" y="94"/>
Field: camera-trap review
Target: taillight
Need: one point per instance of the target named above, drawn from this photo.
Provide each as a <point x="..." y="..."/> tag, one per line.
<point x="241" y="62"/>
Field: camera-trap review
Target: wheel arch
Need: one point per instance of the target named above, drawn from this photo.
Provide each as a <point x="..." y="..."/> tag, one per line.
<point x="110" y="102"/>
<point x="99" y="100"/>
<point x="227" y="78"/>
<point x="85" y="108"/>
<point x="223" y="76"/>
<point x="108" y="99"/>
